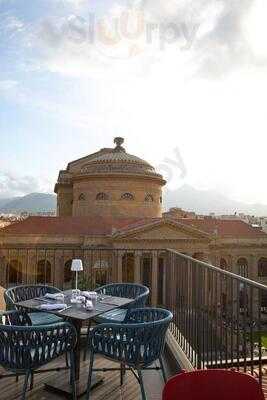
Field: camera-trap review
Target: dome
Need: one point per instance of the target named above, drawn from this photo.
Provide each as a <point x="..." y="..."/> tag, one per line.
<point x="117" y="160"/>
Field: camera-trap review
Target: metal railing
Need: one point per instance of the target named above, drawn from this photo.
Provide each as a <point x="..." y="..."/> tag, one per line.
<point x="219" y="321"/>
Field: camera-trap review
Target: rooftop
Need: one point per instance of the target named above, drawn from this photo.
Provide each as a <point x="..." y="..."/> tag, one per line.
<point x="105" y="226"/>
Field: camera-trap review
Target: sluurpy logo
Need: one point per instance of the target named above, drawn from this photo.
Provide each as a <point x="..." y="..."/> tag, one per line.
<point x="173" y="169"/>
<point x="123" y="33"/>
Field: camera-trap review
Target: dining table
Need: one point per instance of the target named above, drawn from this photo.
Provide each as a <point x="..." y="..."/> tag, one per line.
<point x="78" y="315"/>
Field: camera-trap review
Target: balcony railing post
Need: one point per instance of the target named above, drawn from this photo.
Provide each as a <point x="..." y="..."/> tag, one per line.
<point x="154" y="289"/>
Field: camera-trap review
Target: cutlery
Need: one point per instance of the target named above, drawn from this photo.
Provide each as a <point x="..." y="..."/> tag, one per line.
<point x="64" y="309"/>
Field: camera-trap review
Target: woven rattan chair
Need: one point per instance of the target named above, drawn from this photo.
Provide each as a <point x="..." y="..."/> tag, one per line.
<point x="24" y="348"/>
<point x="134" y="291"/>
<point x="136" y="344"/>
<point x="25" y="292"/>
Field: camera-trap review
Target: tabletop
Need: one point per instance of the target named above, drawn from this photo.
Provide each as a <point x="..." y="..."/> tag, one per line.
<point x="76" y="311"/>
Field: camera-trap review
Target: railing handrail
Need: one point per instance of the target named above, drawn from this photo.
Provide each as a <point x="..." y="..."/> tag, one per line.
<point x="221" y="271"/>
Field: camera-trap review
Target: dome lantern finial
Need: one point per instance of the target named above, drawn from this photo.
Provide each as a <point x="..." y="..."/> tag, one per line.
<point x="119" y="141"/>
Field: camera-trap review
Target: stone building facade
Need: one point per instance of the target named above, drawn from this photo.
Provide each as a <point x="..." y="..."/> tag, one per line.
<point x="110" y="215"/>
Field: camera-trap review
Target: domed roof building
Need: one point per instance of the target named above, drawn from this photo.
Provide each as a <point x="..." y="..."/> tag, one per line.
<point x="110" y="216"/>
<point x="110" y="183"/>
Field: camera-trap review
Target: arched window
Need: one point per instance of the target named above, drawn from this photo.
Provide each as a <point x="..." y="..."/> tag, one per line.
<point x="127" y="196"/>
<point x="149" y="198"/>
<point x="100" y="271"/>
<point x="262" y="267"/>
<point x="242" y="265"/>
<point x="223" y="264"/>
<point x="14" y="272"/>
<point x="82" y="197"/>
<point x="68" y="274"/>
<point x="101" y="196"/>
<point x="44" y="271"/>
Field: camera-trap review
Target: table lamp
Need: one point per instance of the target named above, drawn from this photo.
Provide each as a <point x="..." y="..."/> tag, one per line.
<point x="76" y="266"/>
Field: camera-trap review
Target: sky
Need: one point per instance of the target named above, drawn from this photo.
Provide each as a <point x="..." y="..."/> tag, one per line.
<point x="183" y="81"/>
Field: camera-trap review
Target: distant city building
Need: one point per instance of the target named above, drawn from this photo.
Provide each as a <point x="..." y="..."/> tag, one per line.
<point x="26" y="214"/>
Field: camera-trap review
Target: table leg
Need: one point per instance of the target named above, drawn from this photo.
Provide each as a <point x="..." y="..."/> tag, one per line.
<point x="60" y="384"/>
<point x="77" y="351"/>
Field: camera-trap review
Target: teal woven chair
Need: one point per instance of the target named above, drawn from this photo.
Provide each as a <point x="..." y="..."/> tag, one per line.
<point x="134" y="291"/>
<point x="25" y="348"/>
<point x="25" y="292"/>
<point x="136" y="344"/>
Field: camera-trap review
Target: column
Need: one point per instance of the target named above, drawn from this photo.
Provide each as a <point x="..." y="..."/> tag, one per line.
<point x="58" y="276"/>
<point x="154" y="283"/>
<point x="119" y="266"/>
<point x="253" y="274"/>
<point x="3" y="268"/>
<point x="137" y="266"/>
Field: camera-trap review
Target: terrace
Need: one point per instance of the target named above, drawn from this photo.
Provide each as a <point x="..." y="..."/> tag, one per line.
<point x="219" y="319"/>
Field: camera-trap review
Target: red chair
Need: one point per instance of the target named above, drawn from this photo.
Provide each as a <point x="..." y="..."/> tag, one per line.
<point x="213" y="384"/>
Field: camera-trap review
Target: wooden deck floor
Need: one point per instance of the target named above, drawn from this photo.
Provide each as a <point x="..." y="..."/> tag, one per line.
<point x="109" y="390"/>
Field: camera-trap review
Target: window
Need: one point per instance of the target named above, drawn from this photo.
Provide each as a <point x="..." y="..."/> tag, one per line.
<point x="242" y="265"/>
<point x="101" y="196"/>
<point x="43" y="272"/>
<point x="223" y="264"/>
<point x="100" y="272"/>
<point x="68" y="275"/>
<point x="82" y="197"/>
<point x="262" y="267"/>
<point x="127" y="196"/>
<point x="14" y="272"/>
<point x="149" y="198"/>
<point x="160" y="200"/>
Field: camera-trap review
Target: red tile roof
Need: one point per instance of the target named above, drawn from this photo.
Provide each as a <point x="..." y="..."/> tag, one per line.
<point x="105" y="226"/>
<point x="68" y="225"/>
<point x="225" y="228"/>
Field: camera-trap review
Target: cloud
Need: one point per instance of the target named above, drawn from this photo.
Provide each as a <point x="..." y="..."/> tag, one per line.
<point x="12" y="184"/>
<point x="134" y="39"/>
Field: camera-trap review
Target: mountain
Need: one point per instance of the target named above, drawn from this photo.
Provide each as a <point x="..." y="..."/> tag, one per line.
<point x="34" y="202"/>
<point x="3" y="202"/>
<point x="207" y="201"/>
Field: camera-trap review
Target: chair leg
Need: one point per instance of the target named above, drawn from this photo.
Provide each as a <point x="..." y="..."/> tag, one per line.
<point x="17" y="378"/>
<point x="163" y="370"/>
<point x="141" y="384"/>
<point x="32" y="380"/>
<point x="123" y="372"/>
<point x="92" y="355"/>
<point x="67" y="360"/>
<point x="72" y="376"/>
<point x="28" y="373"/>
<point x="86" y="350"/>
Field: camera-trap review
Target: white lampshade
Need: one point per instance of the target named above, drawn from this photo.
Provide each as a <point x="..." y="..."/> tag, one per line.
<point x="77" y="265"/>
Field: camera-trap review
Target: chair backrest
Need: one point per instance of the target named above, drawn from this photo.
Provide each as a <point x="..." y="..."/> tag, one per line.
<point x="29" y="347"/>
<point x="139" y="341"/>
<point x="15" y="317"/>
<point x="25" y="292"/>
<point x="212" y="384"/>
<point x="128" y="290"/>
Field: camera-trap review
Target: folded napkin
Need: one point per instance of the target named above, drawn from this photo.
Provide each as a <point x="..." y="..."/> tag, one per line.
<point x="54" y="296"/>
<point x="55" y="306"/>
<point x="89" y="294"/>
<point x="89" y="305"/>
